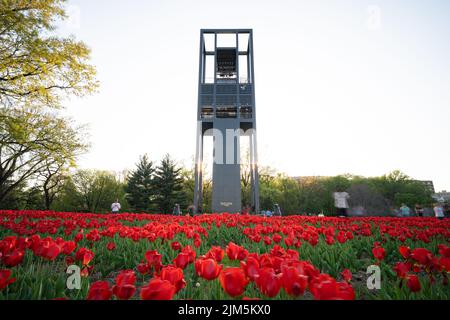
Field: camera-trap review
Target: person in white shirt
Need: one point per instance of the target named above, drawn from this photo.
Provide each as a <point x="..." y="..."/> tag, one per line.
<point x="115" y="207"/>
<point x="341" y="202"/>
<point x="438" y="211"/>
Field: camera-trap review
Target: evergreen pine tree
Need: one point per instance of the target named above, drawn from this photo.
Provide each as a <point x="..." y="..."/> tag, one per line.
<point x="168" y="184"/>
<point x="139" y="187"/>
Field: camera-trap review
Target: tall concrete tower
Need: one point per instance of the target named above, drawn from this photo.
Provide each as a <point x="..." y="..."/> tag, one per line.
<point x="226" y="111"/>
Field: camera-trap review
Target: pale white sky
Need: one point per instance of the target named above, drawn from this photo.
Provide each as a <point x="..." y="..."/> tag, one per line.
<point x="356" y="87"/>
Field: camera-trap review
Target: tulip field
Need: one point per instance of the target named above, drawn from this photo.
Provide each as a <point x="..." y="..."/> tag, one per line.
<point x="221" y="256"/>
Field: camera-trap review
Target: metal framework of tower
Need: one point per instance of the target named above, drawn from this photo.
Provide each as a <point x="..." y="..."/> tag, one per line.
<point x="226" y="111"/>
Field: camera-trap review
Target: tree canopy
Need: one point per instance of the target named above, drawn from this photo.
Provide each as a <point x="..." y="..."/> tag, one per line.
<point x="37" y="68"/>
<point x="31" y="141"/>
<point x="140" y="186"/>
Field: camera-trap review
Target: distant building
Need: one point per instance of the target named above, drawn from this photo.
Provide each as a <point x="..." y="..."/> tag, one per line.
<point x="428" y="184"/>
<point x="443" y="196"/>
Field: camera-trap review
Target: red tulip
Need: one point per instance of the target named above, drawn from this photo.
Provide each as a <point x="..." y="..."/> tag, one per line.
<point x="14" y="258"/>
<point x="341" y="237"/>
<point x="158" y="289"/>
<point x="85" y="271"/>
<point x="181" y="260"/>
<point x="50" y="250"/>
<point x="276" y="238"/>
<point x="207" y="268"/>
<point x="233" y="281"/>
<point x="293" y="282"/>
<point x="413" y="283"/>
<point x="346" y="275"/>
<point x="215" y="253"/>
<point x="277" y="251"/>
<point x="154" y="259"/>
<point x="405" y="251"/>
<point x="268" y="282"/>
<point x="379" y="253"/>
<point x="69" y="261"/>
<point x="325" y="287"/>
<point x="267" y="240"/>
<point x="292" y="254"/>
<point x="329" y="240"/>
<point x="124" y="288"/>
<point x="68" y="247"/>
<point x="87" y="257"/>
<point x="250" y="267"/>
<point x="5" y="279"/>
<point x="402" y="269"/>
<point x="422" y="256"/>
<point x="444" y="250"/>
<point x="444" y="262"/>
<point x="175" y="245"/>
<point x="235" y="252"/>
<point x="289" y="242"/>
<point x="190" y="252"/>
<point x="84" y="255"/>
<point x="99" y="290"/>
<point x="78" y="237"/>
<point x="111" y="246"/>
<point x="143" y="268"/>
<point x="314" y="240"/>
<point x="175" y="276"/>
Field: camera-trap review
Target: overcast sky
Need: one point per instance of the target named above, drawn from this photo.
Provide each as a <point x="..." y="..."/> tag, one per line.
<point x="358" y="87"/>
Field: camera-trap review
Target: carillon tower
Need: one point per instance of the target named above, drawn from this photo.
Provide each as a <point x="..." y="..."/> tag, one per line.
<point x="226" y="111"/>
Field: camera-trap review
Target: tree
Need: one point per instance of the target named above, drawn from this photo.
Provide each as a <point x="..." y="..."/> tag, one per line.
<point x="139" y="188"/>
<point x="269" y="194"/>
<point x="16" y="199"/>
<point x="68" y="199"/>
<point x="168" y="184"/>
<point x="53" y="177"/>
<point x="399" y="188"/>
<point x="246" y="180"/>
<point x="31" y="140"/>
<point x="96" y="190"/>
<point x="364" y="197"/>
<point x="37" y="69"/>
<point x="315" y="196"/>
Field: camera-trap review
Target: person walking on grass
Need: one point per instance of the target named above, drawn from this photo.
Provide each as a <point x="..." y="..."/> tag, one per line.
<point x="115" y="207"/>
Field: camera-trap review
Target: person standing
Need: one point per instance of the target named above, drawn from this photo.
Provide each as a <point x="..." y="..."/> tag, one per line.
<point x="245" y="210"/>
<point x="176" y="210"/>
<point x="190" y="210"/>
<point x="404" y="210"/>
<point x="419" y="210"/>
<point x="276" y="210"/>
<point x="115" y="207"/>
<point x="341" y="203"/>
<point x="439" y="211"/>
